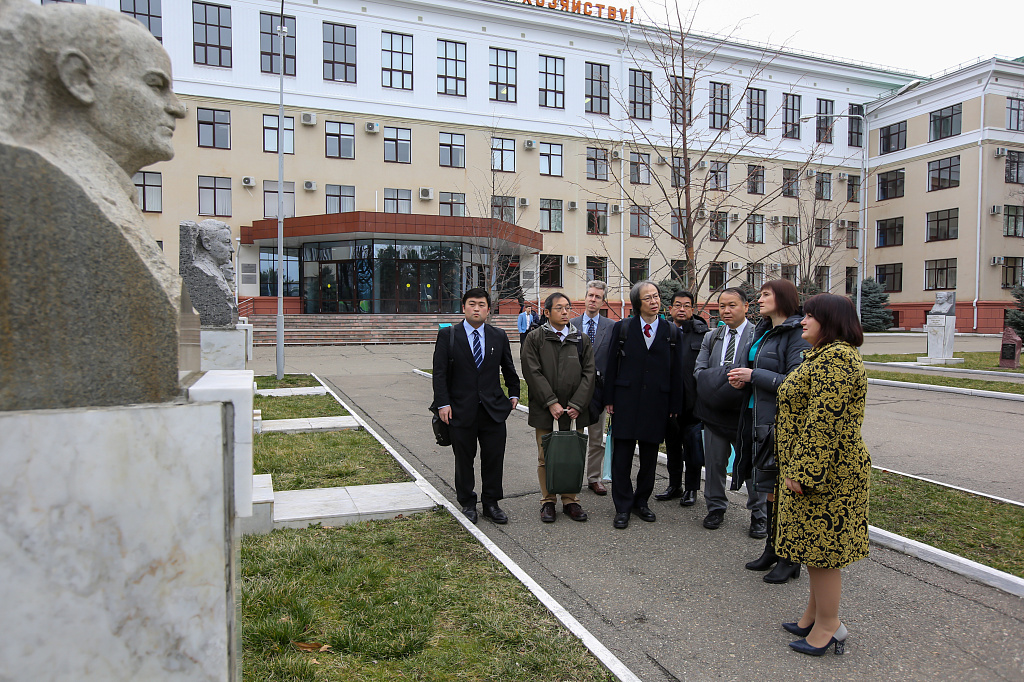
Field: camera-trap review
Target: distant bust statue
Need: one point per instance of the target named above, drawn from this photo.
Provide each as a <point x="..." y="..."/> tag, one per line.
<point x="204" y="261"/>
<point x="945" y="304"/>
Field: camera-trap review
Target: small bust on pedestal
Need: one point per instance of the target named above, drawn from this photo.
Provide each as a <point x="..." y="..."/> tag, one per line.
<point x="941" y="328"/>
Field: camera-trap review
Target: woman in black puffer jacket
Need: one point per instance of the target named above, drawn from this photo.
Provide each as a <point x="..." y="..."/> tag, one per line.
<point x="775" y="352"/>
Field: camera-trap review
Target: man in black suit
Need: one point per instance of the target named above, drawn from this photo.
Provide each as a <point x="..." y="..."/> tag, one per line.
<point x="468" y="397"/>
<point x="643" y="388"/>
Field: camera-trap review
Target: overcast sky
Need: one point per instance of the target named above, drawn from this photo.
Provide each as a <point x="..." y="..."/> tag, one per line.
<point x="922" y="37"/>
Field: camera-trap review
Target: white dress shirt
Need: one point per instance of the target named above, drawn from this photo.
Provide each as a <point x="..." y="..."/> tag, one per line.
<point x="654" y="330"/>
<point x="469" y="335"/>
<point x="725" y="342"/>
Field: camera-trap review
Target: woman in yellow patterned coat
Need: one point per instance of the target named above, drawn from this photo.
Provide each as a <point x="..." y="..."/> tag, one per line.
<point x="823" y="506"/>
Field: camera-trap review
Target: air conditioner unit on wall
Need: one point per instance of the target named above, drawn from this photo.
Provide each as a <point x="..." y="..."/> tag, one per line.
<point x="774" y="266"/>
<point x="701" y="165"/>
<point x="996" y="210"/>
<point x="616" y="208"/>
<point x="998" y="260"/>
<point x="309" y="185"/>
<point x="530" y="144"/>
<point x="775" y="220"/>
<point x="734" y="217"/>
<point x="662" y="161"/>
<point x="1000" y="152"/>
<point x="372" y="127"/>
<point x="572" y="260"/>
<point x="811" y="172"/>
<point x="842" y="223"/>
<point x="735" y="265"/>
<point x="701" y="214"/>
<point x="843" y="176"/>
<point x="523" y="202"/>
<point x="248" y="181"/>
<point x="573" y="205"/>
<point x="426" y="193"/>
<point x="616" y="154"/>
<point x="308" y="118"/>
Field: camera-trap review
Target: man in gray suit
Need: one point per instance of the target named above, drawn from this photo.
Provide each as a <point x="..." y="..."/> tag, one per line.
<point x="599" y="329"/>
<point x="719" y="406"/>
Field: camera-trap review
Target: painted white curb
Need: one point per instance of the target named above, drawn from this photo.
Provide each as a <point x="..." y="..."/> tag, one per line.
<point x="948" y="389"/>
<point x="1007" y="376"/>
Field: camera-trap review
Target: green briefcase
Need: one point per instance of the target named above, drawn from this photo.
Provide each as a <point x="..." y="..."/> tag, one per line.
<point x="565" y="457"/>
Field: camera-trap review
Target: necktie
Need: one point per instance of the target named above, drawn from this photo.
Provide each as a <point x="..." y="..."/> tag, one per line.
<point x="478" y="352"/>
<point x="559" y="335"/>
<point x="730" y="350"/>
<point x="592" y="333"/>
<point x="647" y="330"/>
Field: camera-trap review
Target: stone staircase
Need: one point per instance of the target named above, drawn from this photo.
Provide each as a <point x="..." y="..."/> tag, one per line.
<point x="340" y="330"/>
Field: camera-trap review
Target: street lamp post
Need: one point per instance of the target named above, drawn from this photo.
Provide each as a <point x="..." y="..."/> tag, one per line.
<point x="281" y="32"/>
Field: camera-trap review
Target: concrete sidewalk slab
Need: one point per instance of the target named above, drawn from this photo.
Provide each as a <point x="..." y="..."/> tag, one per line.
<point x="350" y="504"/>
<point x="308" y="424"/>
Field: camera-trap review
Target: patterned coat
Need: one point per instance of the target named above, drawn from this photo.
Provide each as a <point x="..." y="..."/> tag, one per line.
<point x="819" y="445"/>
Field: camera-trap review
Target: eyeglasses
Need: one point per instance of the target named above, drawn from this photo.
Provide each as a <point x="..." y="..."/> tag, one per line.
<point x="650" y="298"/>
<point x="561" y="308"/>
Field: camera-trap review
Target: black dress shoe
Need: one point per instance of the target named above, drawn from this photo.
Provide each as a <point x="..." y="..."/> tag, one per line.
<point x="470" y="513"/>
<point x="671" y="492"/>
<point x="645" y="514"/>
<point x="495" y="513"/>
<point x="547" y="512"/>
<point x="783" y="571"/>
<point x="714" y="519"/>
<point x="621" y="520"/>
<point x="758" y="529"/>
<point x="688" y="499"/>
<point x="574" y="511"/>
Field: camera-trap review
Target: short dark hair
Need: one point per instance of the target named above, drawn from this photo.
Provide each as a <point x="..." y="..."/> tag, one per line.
<point x="837" y="317"/>
<point x="787" y="298"/>
<point x="476" y="292"/>
<point x="735" y="291"/>
<point x="550" y="300"/>
<point x="683" y="294"/>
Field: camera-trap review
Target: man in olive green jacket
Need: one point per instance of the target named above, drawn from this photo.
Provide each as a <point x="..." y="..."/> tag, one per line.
<point x="558" y="365"/>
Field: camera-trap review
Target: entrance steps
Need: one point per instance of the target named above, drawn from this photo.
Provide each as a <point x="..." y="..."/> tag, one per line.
<point x="349" y="329"/>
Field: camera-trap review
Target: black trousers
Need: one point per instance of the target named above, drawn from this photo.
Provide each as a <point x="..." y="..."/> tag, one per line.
<point x="684" y="445"/>
<point x="491" y="436"/>
<point x="623" y="494"/>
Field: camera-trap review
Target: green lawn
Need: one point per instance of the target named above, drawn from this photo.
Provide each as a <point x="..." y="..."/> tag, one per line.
<point x="324" y="460"/>
<point x="410" y="599"/>
<point x="289" y="381"/>
<point x="934" y="380"/>
<point x="984" y="361"/>
<point x="298" y="406"/>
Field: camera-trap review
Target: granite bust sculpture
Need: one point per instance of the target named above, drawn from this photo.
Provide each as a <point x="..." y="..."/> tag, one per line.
<point x="90" y="310"/>
<point x="204" y="262"/>
<point x="945" y="304"/>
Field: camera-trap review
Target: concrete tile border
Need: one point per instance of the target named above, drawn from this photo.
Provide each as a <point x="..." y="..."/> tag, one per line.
<point x="924" y="369"/>
<point x="948" y="389"/>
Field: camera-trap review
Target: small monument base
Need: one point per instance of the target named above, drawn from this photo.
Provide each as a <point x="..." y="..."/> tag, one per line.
<point x="939" y="361"/>
<point x="223" y="348"/>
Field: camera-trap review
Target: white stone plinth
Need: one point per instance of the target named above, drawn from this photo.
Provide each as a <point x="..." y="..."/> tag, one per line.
<point x="941" y="331"/>
<point x="247" y="328"/>
<point x="114" y="544"/>
<point x="223" y="349"/>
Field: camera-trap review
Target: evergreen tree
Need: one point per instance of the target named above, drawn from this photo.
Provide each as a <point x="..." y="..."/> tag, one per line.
<point x="1015" y="318"/>
<point x="807" y="288"/>
<point x="874" y="316"/>
<point x="667" y="288"/>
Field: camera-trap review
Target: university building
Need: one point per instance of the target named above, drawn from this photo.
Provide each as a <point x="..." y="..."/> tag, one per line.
<point x="529" y="147"/>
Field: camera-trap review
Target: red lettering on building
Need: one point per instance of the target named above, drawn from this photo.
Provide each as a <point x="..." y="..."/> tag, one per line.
<point x="586" y="8"/>
<point x="600" y="8"/>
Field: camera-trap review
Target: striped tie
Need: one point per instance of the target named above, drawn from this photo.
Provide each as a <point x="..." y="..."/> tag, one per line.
<point x="478" y="351"/>
<point x="730" y="350"/>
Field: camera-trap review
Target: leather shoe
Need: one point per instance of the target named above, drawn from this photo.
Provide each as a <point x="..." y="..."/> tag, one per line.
<point x="688" y="499"/>
<point x="470" y="513"/>
<point x="598" y="488"/>
<point x="758" y="529"/>
<point x="547" y="512"/>
<point x="670" y="493"/>
<point x="714" y="519"/>
<point x="645" y="514"/>
<point x="575" y="512"/>
<point x="621" y="520"/>
<point x="495" y="513"/>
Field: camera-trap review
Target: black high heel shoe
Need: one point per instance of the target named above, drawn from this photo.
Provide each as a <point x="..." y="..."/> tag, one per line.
<point x="795" y="629"/>
<point x="839" y="639"/>
<point x="783" y="571"/>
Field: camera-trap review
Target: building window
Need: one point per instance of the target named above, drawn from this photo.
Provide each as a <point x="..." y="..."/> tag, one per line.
<point x="944" y="122"/>
<point x="211" y="31"/>
<point x="824" y="121"/>
<point x="339" y="52"/>
<point x="641" y="88"/>
<point x="340" y="140"/>
<point x="719" y="106"/>
<point x="791" y="116"/>
<point x="755" y="179"/>
<point x="718" y="226"/>
<point x="757" y="117"/>
<point x="890" y="232"/>
<point x="755" y="275"/>
<point x="1013" y="272"/>
<point x="214" y="128"/>
<point x="790" y="230"/>
<point x="270" y="199"/>
<point x="550" y="159"/>
<point x="503" y="77"/>
<point x="1015" y="167"/>
<point x="853" y="189"/>
<point x="678" y="222"/>
<point x="890" y="184"/>
<point x="397" y="145"/>
<point x="682" y="113"/>
<point x="270" y="44"/>
<point x="1014" y="113"/>
<point x="852" y="234"/>
<point x="718" y="176"/>
<point x="822" y="232"/>
<point x="823" y="186"/>
<point x="851" y="280"/>
<point x="716" y="276"/>
<point x="214" y="196"/>
<point x="640" y="221"/>
<point x="940" y="274"/>
<point x="268" y="271"/>
<point x="678" y="171"/>
<point x="451" y="68"/>
<point x="892" y="138"/>
<point x="147" y="12"/>
<point x="550" y="270"/>
<point x="755" y="229"/>
<point x="639" y="270"/>
<point x="270" y="134"/>
<point x="1013" y="221"/>
<point x="855" y="126"/>
<point x="503" y="208"/>
<point x="452" y="149"/>
<point x="550" y="215"/>
<point x="639" y="168"/>
<point x="598" y="88"/>
<point x="943" y="225"/>
<point x="597" y="217"/>
<point x="944" y="173"/>
<point x="790" y="182"/>
<point x="789" y="272"/>
<point x="597" y="268"/>
<point x="452" y="204"/>
<point x="821" y="277"/>
<point x="503" y="154"/>
<point x="395" y="60"/>
<point x="552" y="82"/>
<point x="341" y="198"/>
<point x="397" y="200"/>
<point x="151" y="192"/>
<point x="597" y="163"/>
<point x="680" y="272"/>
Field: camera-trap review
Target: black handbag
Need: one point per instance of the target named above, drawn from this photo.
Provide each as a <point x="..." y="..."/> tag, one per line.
<point x="766" y="467"/>
<point x="442" y="434"/>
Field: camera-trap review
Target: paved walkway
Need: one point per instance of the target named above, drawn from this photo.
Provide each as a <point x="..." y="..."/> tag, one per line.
<point x="672" y="599"/>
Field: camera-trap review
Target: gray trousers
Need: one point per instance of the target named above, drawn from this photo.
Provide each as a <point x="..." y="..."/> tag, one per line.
<point x="595" y="449"/>
<point x="716" y="461"/>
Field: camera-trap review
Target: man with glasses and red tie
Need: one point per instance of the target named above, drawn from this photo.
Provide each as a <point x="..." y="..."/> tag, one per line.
<point x="643" y="388"/>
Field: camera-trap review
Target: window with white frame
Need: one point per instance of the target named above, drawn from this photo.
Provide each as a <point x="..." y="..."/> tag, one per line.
<point x="821" y="277"/>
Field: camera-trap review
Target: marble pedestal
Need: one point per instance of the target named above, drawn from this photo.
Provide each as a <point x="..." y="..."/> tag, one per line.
<point x="223" y="348"/>
<point x="941" y="330"/>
